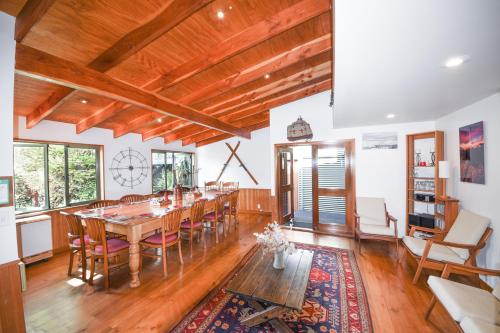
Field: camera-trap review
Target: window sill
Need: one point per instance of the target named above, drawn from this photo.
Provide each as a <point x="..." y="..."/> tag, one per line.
<point x="42" y="212"/>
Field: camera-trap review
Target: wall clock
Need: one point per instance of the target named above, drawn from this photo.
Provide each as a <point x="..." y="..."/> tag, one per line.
<point x="129" y="168"/>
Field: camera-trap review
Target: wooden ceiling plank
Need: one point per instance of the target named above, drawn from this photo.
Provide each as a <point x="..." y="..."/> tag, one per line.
<point x="268" y="66"/>
<point x="221" y="137"/>
<point x="99" y="117"/>
<point x="31" y="13"/>
<point x="242" y="122"/>
<point x="134" y="124"/>
<point x="171" y="16"/>
<point x="181" y="133"/>
<point x="39" y="65"/>
<point x="293" y="69"/>
<point x="251" y="36"/>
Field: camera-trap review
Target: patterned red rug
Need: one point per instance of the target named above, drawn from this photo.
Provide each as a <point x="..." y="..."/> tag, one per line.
<point x="335" y="301"/>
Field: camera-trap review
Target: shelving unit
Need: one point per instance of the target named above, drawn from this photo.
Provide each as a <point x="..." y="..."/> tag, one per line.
<point x="424" y="179"/>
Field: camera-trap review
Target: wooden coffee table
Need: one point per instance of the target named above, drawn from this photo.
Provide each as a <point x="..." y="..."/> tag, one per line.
<point x="272" y="292"/>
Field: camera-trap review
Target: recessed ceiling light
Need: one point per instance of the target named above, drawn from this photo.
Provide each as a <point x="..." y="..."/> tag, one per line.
<point x="83" y="101"/>
<point x="159" y="120"/>
<point x="220" y="14"/>
<point x="455" y="61"/>
<point x="390" y="116"/>
<point x="267" y="76"/>
<point x="230" y="7"/>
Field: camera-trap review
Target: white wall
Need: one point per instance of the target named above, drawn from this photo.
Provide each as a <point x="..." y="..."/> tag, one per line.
<point x="62" y="132"/>
<point x="380" y="173"/>
<point x="481" y="199"/>
<point x="254" y="153"/>
<point x="8" y="240"/>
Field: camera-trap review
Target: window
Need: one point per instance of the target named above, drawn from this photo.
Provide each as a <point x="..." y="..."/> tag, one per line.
<point x="171" y="168"/>
<point x="48" y="176"/>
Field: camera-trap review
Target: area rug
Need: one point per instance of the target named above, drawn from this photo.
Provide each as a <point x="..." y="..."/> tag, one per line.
<point x="335" y="301"/>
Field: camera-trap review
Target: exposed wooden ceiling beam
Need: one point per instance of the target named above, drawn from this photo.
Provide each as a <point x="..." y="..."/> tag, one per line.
<point x="251" y="36"/>
<point x="39" y="65"/>
<point x="31" y="13"/>
<point x="241" y="122"/>
<point x="300" y="69"/>
<point x="260" y="69"/>
<point x="135" y="124"/>
<point x="281" y="100"/>
<point x="221" y="137"/>
<point x="176" y="12"/>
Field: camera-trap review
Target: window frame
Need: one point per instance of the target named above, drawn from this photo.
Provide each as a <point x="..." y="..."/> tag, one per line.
<point x="174" y="176"/>
<point x="99" y="149"/>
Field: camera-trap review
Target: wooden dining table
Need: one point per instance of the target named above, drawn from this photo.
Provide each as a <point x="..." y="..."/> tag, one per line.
<point x="140" y="218"/>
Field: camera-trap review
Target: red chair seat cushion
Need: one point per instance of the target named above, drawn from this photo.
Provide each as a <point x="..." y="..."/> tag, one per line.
<point x="156" y="238"/>
<point x="114" y="245"/>
<point x="86" y="239"/>
<point x="211" y="217"/>
<point x="187" y="224"/>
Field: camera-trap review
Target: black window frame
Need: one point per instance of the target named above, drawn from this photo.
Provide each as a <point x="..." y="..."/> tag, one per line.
<point x="174" y="176"/>
<point x="46" y="144"/>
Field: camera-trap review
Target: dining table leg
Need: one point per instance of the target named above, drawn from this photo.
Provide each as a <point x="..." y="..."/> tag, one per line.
<point x="134" y="256"/>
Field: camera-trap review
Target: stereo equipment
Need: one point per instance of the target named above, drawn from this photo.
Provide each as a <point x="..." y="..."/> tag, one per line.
<point x="424" y="197"/>
<point x="421" y="220"/>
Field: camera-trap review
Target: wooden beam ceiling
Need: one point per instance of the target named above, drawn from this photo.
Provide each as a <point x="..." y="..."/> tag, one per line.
<point x="220" y="137"/>
<point x="262" y="31"/>
<point x="125" y="47"/>
<point x="31" y="13"/>
<point x="42" y="66"/>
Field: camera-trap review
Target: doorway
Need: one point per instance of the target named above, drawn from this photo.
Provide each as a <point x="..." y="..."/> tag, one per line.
<point x="315" y="186"/>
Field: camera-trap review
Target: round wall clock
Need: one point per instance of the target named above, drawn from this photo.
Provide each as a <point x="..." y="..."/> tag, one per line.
<point x="129" y="168"/>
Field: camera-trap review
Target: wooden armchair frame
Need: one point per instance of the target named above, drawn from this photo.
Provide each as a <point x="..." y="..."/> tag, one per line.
<point x="388" y="219"/>
<point x="102" y="204"/>
<point x="425" y="262"/>
<point x="450" y="268"/>
<point x="219" y="216"/>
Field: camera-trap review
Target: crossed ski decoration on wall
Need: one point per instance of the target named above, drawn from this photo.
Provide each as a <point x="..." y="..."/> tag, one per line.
<point x="233" y="153"/>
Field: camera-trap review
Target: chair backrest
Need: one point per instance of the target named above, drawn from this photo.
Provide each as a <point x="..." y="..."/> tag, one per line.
<point x="97" y="233"/>
<point x="172" y="221"/>
<point x="75" y="227"/>
<point x="371" y="210"/>
<point x="467" y="229"/>
<point x="197" y="211"/>
<point x="227" y="186"/>
<point x="219" y="204"/>
<point x="233" y="200"/>
<point x="130" y="198"/>
<point x="103" y="203"/>
<point x="210" y="186"/>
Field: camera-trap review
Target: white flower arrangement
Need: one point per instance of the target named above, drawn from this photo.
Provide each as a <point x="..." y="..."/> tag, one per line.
<point x="274" y="240"/>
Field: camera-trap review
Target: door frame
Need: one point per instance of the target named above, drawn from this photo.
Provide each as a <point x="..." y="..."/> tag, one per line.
<point x="349" y="144"/>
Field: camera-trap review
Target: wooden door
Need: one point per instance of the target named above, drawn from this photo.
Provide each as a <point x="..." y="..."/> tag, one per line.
<point x="285" y="184"/>
<point x="333" y="187"/>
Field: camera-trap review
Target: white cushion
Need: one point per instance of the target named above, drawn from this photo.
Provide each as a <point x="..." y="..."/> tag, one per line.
<point x="461" y="300"/>
<point x="470" y="325"/>
<point x="467" y="229"/>
<point x="382" y="230"/>
<point x="371" y="210"/>
<point x="437" y="252"/>
<point x="496" y="290"/>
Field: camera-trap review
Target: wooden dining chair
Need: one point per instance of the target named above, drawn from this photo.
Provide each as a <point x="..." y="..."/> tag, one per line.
<point x="170" y="235"/>
<point x="217" y="216"/>
<point x="231" y="209"/>
<point x="103" y="248"/>
<point x="212" y="186"/>
<point x="78" y="242"/>
<point x="230" y="186"/>
<point x="195" y="222"/>
<point x="131" y="198"/>
<point x="102" y="204"/>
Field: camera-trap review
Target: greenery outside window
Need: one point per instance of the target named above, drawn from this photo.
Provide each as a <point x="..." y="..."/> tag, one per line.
<point x="49" y="176"/>
<point x="171" y="168"/>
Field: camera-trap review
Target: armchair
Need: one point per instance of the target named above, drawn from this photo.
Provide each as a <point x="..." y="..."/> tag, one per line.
<point x="466" y="237"/>
<point x="473" y="309"/>
<point x="374" y="222"/>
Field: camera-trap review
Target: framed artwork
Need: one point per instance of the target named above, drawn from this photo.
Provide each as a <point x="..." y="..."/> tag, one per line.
<point x="382" y="140"/>
<point x="472" y="153"/>
<point x="6" y="193"/>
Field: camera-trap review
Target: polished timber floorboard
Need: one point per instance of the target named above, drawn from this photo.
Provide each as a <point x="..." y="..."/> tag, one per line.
<point x="55" y="302"/>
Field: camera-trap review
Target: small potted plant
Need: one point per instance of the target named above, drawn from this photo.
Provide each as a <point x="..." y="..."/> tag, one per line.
<point x="273" y="240"/>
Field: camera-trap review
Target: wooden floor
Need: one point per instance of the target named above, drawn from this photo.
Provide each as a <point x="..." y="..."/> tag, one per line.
<point x="56" y="303"/>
